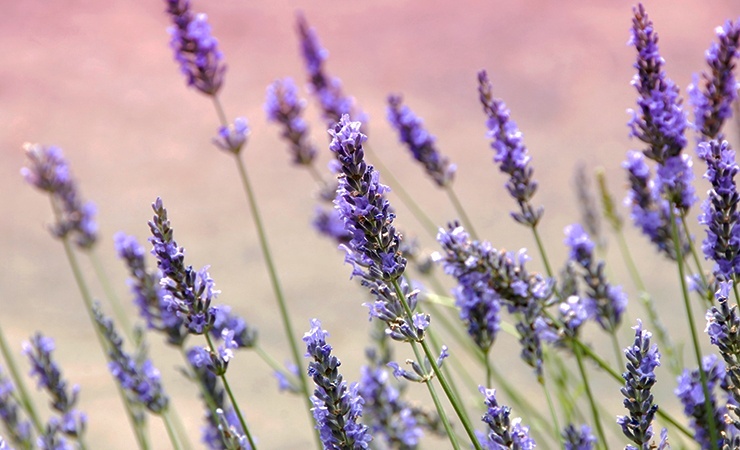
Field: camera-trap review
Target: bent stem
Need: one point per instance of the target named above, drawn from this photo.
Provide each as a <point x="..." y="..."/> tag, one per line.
<point x="454" y="401"/>
<point x="708" y="410"/>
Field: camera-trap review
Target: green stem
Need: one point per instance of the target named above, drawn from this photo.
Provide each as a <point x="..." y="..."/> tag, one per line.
<point x="270" y="361"/>
<point x="404" y="196"/>
<point x="232" y="399"/>
<point x="115" y="302"/>
<point x="454" y="401"/>
<point x="692" y="249"/>
<point x="551" y="407"/>
<point x="20" y="386"/>
<point x="87" y="299"/>
<point x="589" y="394"/>
<point x="617" y="349"/>
<point x="694" y="335"/>
<point x="272" y="272"/>
<point x="170" y="430"/>
<point x="461" y="211"/>
<point x="541" y="249"/>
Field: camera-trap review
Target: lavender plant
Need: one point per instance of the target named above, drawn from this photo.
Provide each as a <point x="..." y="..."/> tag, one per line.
<point x="496" y="295"/>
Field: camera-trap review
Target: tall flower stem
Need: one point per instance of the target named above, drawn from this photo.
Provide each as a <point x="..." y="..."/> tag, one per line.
<point x="139" y="431"/>
<point x="692" y="249"/>
<point x="405" y="197"/>
<point x="551" y="407"/>
<point x="694" y="335"/>
<point x="20" y="386"/>
<point x="232" y="399"/>
<point x="170" y="430"/>
<point x="541" y="249"/>
<point x="590" y="395"/>
<point x="615" y="346"/>
<point x="272" y="272"/>
<point x="113" y="299"/>
<point x="454" y="401"/>
<point x="461" y="212"/>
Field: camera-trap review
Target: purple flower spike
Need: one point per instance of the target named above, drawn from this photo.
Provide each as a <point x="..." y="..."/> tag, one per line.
<point x="195" y="49"/>
<point x="511" y="154"/>
<point x="327" y="89"/>
<point x="505" y="432"/>
<point x="70" y="421"/>
<point x="336" y="407"/>
<point x="659" y="120"/>
<point x="719" y="210"/>
<point x="18" y="429"/>
<point x="712" y="97"/>
<point x="691" y="395"/>
<point x="284" y="107"/>
<point x="642" y="359"/>
<point x="49" y="172"/>
<point x="232" y="138"/>
<point x="578" y="438"/>
<point x="137" y="376"/>
<point x="421" y="144"/>
<point x="604" y="302"/>
<point x="723" y="328"/>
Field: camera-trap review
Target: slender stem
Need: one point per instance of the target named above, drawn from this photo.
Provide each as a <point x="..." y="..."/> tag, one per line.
<point x="618" y="354"/>
<point x="170" y="430"/>
<point x="87" y="299"/>
<point x="541" y="249"/>
<point x="445" y="368"/>
<point x="115" y="302"/>
<point x="461" y="211"/>
<point x="232" y="399"/>
<point x="589" y="394"/>
<point x="404" y="196"/>
<point x="272" y="272"/>
<point x="178" y="426"/>
<point x="454" y="401"/>
<point x="551" y="407"/>
<point x="20" y="386"/>
<point x="270" y="361"/>
<point x="316" y="175"/>
<point x="692" y="248"/>
<point x="694" y="335"/>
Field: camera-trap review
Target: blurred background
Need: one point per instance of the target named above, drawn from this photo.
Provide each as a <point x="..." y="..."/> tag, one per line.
<point x="98" y="79"/>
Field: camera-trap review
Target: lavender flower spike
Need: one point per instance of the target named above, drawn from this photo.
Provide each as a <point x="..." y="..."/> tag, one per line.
<point x="421" y="144"/>
<point x="578" y="439"/>
<point x="642" y="359"/>
<point x="50" y="173"/>
<point x="511" y="154"/>
<point x="71" y="421"/>
<point x="194" y="48"/>
<point x="337" y="407"/>
<point x="719" y="210"/>
<point x="17" y="427"/>
<point x="659" y="120"/>
<point x="505" y="433"/>
<point x="285" y="108"/>
<point x="327" y="89"/>
<point x="137" y="376"/>
<point x="713" y="104"/>
<point x="233" y="137"/>
<point x="691" y="395"/>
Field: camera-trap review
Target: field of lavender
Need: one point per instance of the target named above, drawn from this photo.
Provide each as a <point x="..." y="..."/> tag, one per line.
<point x="217" y="237"/>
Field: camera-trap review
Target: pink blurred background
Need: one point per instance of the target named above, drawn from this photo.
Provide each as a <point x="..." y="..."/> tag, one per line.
<point x="98" y="80"/>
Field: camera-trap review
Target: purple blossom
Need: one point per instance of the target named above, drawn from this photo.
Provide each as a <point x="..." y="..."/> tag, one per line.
<point x="712" y="100"/>
<point x="649" y="211"/>
<point x="70" y="421"/>
<point x="723" y="329"/>
<point x="719" y="210"/>
<point x="604" y="302"/>
<point x="284" y="107"/>
<point x="691" y="395"/>
<point x="195" y="50"/>
<point x="642" y="359"/>
<point x="17" y="427"/>
<point x="230" y="431"/>
<point x="137" y="376"/>
<point x="189" y="292"/>
<point x="336" y="406"/>
<point x="674" y="181"/>
<point x="49" y="172"/>
<point x="511" y="154"/>
<point x="327" y="89"/>
<point x="421" y="144"/>
<point x="578" y="438"/>
<point x="329" y="223"/>
<point x="504" y="432"/>
<point x="148" y="293"/>
<point x="233" y="137"/>
<point x="239" y="331"/>
<point x="659" y="120"/>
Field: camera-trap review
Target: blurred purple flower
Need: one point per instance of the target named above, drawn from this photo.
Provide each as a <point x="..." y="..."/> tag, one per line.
<point x="284" y="107"/>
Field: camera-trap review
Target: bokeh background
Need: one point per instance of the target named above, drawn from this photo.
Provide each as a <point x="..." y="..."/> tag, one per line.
<point x="98" y="79"/>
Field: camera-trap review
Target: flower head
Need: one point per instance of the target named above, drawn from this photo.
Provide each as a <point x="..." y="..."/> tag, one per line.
<point x="511" y="154"/>
<point x="712" y="96"/>
<point x="233" y="137"/>
<point x="691" y="394"/>
<point x="17" y="427"/>
<point x="284" y="107"/>
<point x="421" y="144"/>
<point x="195" y="49"/>
<point x="49" y="172"/>
<point x="504" y="432"/>
<point x="578" y="438"/>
